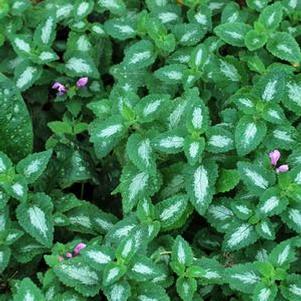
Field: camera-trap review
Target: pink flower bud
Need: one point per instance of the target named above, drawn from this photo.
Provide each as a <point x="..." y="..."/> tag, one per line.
<point x="60" y="88"/>
<point x="78" y="248"/>
<point x="274" y="157"/>
<point x="82" y="82"/>
<point x="282" y="168"/>
<point x="69" y="255"/>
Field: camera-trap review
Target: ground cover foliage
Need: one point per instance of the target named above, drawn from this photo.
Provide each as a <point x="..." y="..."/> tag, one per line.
<point x="150" y="150"/>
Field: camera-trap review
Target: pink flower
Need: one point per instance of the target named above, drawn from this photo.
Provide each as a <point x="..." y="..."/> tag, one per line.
<point x="282" y="168"/>
<point x="274" y="157"/>
<point x="78" y="248"/>
<point x="82" y="82"/>
<point x="60" y="88"/>
<point x="69" y="255"/>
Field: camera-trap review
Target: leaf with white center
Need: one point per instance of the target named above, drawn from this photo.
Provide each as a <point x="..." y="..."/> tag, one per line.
<point x="149" y="291"/>
<point x="292" y="217"/>
<point x="116" y="7"/>
<point x="232" y="33"/>
<point x="283" y="254"/>
<point x="83" y="8"/>
<point x="199" y="57"/>
<point x="139" y="55"/>
<point x="143" y="269"/>
<point x="291" y="287"/>
<point x="12" y="236"/>
<point x="181" y="254"/>
<point x="243" y="277"/>
<point x="22" y="45"/>
<point x="270" y="87"/>
<point x="170" y="142"/>
<point x="256" y="178"/>
<point x="239" y="236"/>
<point x="171" y="74"/>
<point x="271" y="202"/>
<point x="219" y="215"/>
<point x="283" y="137"/>
<point x="18" y="189"/>
<point x="33" y="165"/>
<point x="186" y="287"/>
<point x="45" y="33"/>
<point x="266" y="230"/>
<point x="263" y="292"/>
<point x="140" y="152"/>
<point x="172" y="210"/>
<point x="25" y="75"/>
<point x="5" y="163"/>
<point x="120" y="29"/>
<point x="257" y="5"/>
<point x="284" y="46"/>
<point x="81" y="277"/>
<point x="36" y="218"/>
<point x="46" y="56"/>
<point x="78" y="64"/>
<point x="105" y="135"/>
<point x="292" y="100"/>
<point x="197" y="116"/>
<point x="271" y="16"/>
<point x="193" y="149"/>
<point x="28" y="291"/>
<point x="242" y="209"/>
<point x="97" y="256"/>
<point x="200" y="186"/>
<point x="112" y="273"/>
<point x="119" y="291"/>
<point x="273" y="113"/>
<point x="5" y="253"/>
<point x="255" y="40"/>
<point x="229" y="71"/>
<point x="249" y="133"/>
<point x="219" y="140"/>
<point x="188" y="34"/>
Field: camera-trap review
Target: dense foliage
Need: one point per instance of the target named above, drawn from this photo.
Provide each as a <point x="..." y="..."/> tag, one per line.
<point x="150" y="150"/>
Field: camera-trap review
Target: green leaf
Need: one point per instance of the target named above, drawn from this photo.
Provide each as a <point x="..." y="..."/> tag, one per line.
<point x="28" y="291"/>
<point x="243" y="277"/>
<point x="283" y="254"/>
<point x="186" y="287"/>
<point x="283" y="137"/>
<point x="60" y="127"/>
<point x="25" y="75"/>
<point x="78" y="64"/>
<point x="227" y="180"/>
<point x="232" y="33"/>
<point x="172" y="210"/>
<point x="5" y="253"/>
<point x="219" y="140"/>
<point x="213" y="271"/>
<point x="292" y="100"/>
<point x="83" y="8"/>
<point x="271" y="16"/>
<point x="193" y="149"/>
<point x="273" y="113"/>
<point x="5" y="163"/>
<point x="112" y="273"/>
<point x="257" y="4"/>
<point x="285" y="47"/>
<point x="171" y="74"/>
<point x="239" y="235"/>
<point x="188" y="34"/>
<point x="143" y="269"/>
<point x="139" y="55"/>
<point x="200" y="186"/>
<point x="82" y="278"/>
<point x="263" y="292"/>
<point x="151" y="291"/>
<point x="151" y="107"/>
<point x="181" y="254"/>
<point x="255" y="40"/>
<point x="120" y="29"/>
<point x="116" y="7"/>
<point x="140" y="152"/>
<point x="266" y="230"/>
<point x="291" y="287"/>
<point x="249" y="133"/>
<point x="271" y="202"/>
<point x="256" y="178"/>
<point x="45" y="33"/>
<point x="292" y="217"/>
<point x="18" y="189"/>
<point x="119" y="291"/>
<point x="105" y="135"/>
<point x="35" y="216"/>
<point x="22" y="45"/>
<point x="97" y="256"/>
<point x="34" y="165"/>
<point x="170" y="142"/>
